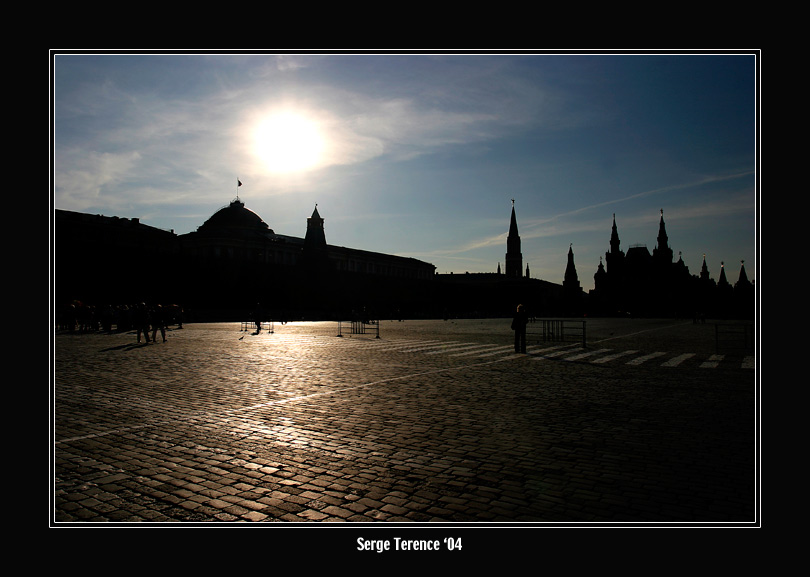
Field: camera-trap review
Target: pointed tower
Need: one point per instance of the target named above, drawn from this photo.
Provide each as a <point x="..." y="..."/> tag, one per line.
<point x="662" y="253"/>
<point x="514" y="258"/>
<point x="315" y="237"/>
<point x="724" y="293"/>
<point x="572" y="292"/>
<point x="571" y="280"/>
<point x="680" y="264"/>
<point x="723" y="281"/>
<point x="599" y="278"/>
<point x="704" y="271"/>
<point x="614" y="237"/>
<point x="315" y="255"/>
<point x="615" y="257"/>
<point x="743" y="279"/>
<point x="744" y="295"/>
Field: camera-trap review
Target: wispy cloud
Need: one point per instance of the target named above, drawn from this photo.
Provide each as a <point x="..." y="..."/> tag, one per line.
<point x="564" y="223"/>
<point x="82" y="176"/>
<point x="646" y="193"/>
<point x="168" y="135"/>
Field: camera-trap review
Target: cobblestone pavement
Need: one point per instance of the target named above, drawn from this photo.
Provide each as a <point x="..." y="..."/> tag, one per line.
<point x="436" y="421"/>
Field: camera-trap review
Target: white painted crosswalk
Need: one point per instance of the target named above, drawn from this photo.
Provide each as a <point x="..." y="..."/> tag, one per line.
<point x="567" y="352"/>
<point x="459" y="349"/>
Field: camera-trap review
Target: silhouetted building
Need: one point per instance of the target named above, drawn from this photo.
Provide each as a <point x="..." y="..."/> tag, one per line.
<point x="235" y="260"/>
<point x="232" y="261"/>
<point x="95" y="255"/>
<point x="644" y="284"/>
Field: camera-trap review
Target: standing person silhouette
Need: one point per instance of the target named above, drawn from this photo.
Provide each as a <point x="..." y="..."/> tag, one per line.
<point x="258" y="317"/>
<point x="142" y="321"/>
<point x="519" y="322"/>
<point x="158" y="323"/>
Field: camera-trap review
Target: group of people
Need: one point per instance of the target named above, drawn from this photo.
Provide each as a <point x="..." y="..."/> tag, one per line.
<point x="146" y="318"/>
<point x="84" y="318"/>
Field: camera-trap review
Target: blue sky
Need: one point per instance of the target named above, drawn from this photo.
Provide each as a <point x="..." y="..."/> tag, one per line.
<point x="421" y="154"/>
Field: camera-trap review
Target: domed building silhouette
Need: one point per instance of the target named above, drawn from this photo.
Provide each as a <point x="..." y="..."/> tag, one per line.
<point x="236" y="218"/>
<point x="235" y="260"/>
<point x="231" y="262"/>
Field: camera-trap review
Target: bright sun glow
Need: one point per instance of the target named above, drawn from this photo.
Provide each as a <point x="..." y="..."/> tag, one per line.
<point x="289" y="142"/>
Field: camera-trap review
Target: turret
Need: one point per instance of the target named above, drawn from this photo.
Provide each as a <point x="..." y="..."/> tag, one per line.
<point x="571" y="280"/>
<point x="514" y="258"/>
<point x="662" y="253"/>
<point x="614" y="258"/>
<point x="315" y="237"/>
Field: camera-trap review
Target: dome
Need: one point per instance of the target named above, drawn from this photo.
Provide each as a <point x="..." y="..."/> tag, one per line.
<point x="235" y="216"/>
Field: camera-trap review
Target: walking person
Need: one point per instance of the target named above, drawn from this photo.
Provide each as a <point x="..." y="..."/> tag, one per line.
<point x="141" y="320"/>
<point x="519" y="323"/>
<point x="158" y="323"/>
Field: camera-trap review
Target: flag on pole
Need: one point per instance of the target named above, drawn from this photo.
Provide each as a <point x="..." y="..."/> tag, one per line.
<point x="238" y="183"/>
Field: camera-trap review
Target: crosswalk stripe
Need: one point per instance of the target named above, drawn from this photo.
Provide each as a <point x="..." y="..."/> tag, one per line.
<point x="498" y="351"/>
<point x="645" y="358"/>
<point x="712" y="362"/>
<point x="555" y="354"/>
<point x="537" y="352"/>
<point x="675" y="361"/>
<point x="388" y="346"/>
<point x="486" y="348"/>
<point x="550" y="355"/>
<point x="613" y="357"/>
<point x="430" y="347"/>
<point x="465" y="347"/>
<point x="586" y="355"/>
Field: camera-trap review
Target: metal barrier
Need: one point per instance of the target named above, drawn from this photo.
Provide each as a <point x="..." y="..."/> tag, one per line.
<point x="251" y="325"/>
<point x="360" y="327"/>
<point x="558" y="331"/>
<point x="734" y="337"/>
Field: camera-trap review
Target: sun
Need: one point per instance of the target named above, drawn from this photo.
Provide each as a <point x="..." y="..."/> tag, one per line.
<point x="289" y="142"/>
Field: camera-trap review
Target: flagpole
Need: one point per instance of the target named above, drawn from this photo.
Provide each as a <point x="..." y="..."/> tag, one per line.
<point x="238" y="184"/>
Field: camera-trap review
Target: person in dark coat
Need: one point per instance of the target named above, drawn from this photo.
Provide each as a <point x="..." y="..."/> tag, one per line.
<point x="141" y="321"/>
<point x="258" y="317"/>
<point x="158" y="323"/>
<point x="519" y="323"/>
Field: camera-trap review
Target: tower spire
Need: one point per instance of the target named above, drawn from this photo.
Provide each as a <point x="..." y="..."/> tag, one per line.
<point x="614" y="258"/>
<point x="704" y="270"/>
<point x="514" y="258"/>
<point x="662" y="252"/>
<point x="743" y="276"/>
<point x="614" y="237"/>
<point x="315" y="237"/>
<point x="571" y="280"/>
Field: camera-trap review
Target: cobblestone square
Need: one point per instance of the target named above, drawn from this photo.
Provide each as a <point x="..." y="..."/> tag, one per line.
<point x="434" y="422"/>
